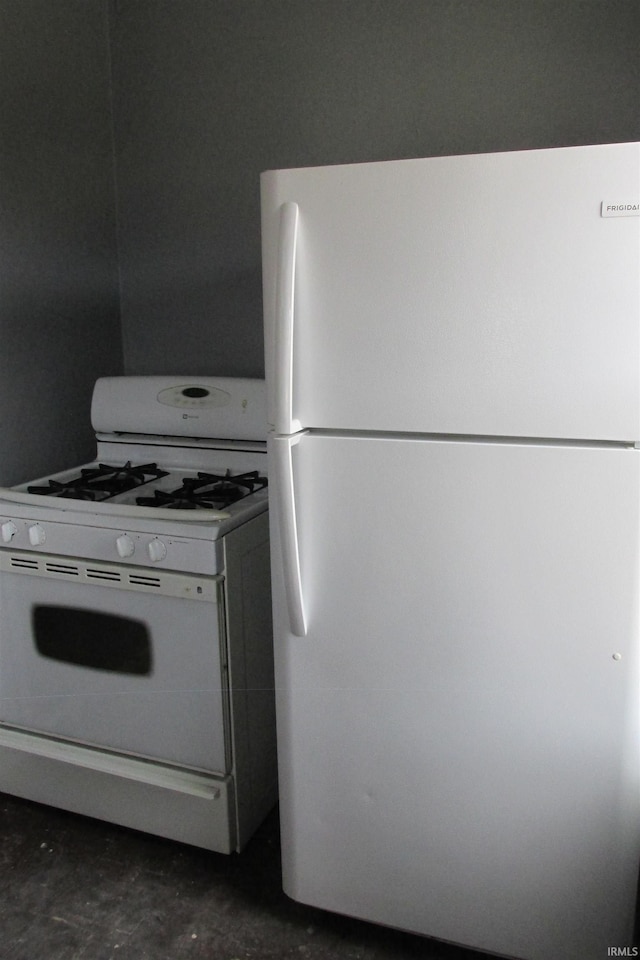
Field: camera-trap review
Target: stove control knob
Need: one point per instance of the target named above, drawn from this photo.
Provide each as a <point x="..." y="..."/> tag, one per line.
<point x="9" y="531"/>
<point x="156" y="550"/>
<point x="125" y="546"/>
<point x="37" y="536"/>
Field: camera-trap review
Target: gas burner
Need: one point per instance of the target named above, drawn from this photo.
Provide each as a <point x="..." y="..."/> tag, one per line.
<point x="207" y="491"/>
<point x="101" y="482"/>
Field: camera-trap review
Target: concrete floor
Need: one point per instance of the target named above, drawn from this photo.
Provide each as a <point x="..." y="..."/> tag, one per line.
<point x="72" y="888"/>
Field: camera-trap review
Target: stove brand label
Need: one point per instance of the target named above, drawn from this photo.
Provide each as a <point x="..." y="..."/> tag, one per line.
<point x="620" y="208"/>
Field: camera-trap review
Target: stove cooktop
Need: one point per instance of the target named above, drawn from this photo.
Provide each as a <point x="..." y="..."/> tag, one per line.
<point x="121" y="483"/>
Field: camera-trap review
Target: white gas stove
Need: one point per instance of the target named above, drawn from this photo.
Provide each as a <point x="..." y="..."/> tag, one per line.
<point x="135" y="635"/>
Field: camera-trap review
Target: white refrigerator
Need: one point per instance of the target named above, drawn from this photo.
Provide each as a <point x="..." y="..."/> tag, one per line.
<point x="453" y="370"/>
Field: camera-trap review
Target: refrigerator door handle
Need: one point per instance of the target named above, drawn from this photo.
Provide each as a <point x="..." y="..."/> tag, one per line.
<point x="282" y="469"/>
<point x="284" y="325"/>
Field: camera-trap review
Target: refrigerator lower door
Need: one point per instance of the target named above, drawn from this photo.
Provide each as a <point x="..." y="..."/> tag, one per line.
<point x="458" y="728"/>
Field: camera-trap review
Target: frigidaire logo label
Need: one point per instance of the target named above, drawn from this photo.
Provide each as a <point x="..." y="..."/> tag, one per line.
<point x="620" y="208"/>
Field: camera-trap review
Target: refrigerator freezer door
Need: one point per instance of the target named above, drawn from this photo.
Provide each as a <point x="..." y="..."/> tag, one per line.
<point x="481" y="295"/>
<point x="458" y="729"/>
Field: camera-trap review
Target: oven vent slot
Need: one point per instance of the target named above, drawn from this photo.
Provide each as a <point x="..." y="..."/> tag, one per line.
<point x="168" y="583"/>
<point x="66" y="569"/>
<point x="113" y="576"/>
<point x="142" y="581"/>
<point x="22" y="563"/>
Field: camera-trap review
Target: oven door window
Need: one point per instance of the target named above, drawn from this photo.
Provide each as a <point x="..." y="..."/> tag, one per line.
<point x="126" y="670"/>
<point x="92" y="639"/>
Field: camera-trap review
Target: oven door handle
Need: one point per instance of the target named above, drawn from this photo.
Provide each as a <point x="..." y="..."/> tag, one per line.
<point x="283" y="487"/>
<point x="285" y="319"/>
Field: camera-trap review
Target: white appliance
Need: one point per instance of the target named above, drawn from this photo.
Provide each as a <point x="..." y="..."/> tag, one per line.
<point x="453" y="383"/>
<point x="136" y="662"/>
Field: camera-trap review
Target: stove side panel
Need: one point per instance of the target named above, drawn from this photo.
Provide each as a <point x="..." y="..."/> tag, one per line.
<point x="250" y="653"/>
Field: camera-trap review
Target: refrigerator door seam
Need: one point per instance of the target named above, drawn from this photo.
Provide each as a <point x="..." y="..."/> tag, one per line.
<point x="476" y="438"/>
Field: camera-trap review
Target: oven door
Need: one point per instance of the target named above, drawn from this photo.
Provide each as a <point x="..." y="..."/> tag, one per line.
<point x="117" y="657"/>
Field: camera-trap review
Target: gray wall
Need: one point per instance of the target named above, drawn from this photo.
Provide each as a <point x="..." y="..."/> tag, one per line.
<point x="210" y="92"/>
<point x="205" y="95"/>
<point x="59" y="317"/>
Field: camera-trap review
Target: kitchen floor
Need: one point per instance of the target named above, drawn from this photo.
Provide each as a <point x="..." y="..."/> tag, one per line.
<point x="72" y="888"/>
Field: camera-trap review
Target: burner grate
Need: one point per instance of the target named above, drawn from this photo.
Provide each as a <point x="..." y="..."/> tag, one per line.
<point x="207" y="491"/>
<point x="101" y="482"/>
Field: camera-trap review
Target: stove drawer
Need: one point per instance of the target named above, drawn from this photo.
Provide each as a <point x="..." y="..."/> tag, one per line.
<point x="190" y="807"/>
<point x="107" y="656"/>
